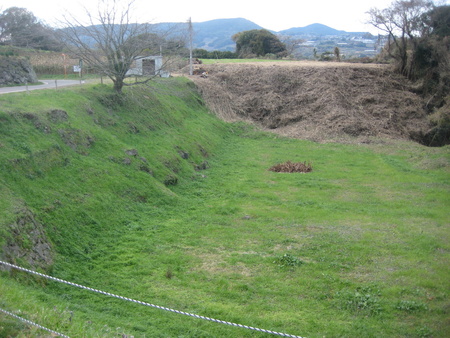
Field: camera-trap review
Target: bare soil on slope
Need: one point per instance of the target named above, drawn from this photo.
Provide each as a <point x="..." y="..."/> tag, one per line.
<point x="320" y="101"/>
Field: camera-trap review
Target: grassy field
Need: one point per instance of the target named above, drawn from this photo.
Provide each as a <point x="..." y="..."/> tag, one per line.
<point x="358" y="247"/>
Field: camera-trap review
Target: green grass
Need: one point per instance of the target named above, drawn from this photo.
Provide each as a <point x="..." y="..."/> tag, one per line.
<point x="357" y="247"/>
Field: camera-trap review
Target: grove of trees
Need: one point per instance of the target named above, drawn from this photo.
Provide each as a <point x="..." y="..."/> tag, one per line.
<point x="258" y="42"/>
<point x="407" y="24"/>
<point x="20" y="28"/>
<point x="419" y="44"/>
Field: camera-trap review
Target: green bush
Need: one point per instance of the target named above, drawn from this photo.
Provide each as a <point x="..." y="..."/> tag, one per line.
<point x="288" y="261"/>
<point x="410" y="306"/>
<point x="364" y="300"/>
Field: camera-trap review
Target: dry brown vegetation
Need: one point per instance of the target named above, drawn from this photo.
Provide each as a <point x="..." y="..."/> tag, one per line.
<point x="317" y="100"/>
<point x="51" y="62"/>
<point x="292" y="167"/>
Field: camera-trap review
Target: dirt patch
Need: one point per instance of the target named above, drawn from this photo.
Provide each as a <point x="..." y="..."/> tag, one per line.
<point x="316" y="100"/>
<point x="28" y="241"/>
<point x="58" y="116"/>
<point x="76" y="139"/>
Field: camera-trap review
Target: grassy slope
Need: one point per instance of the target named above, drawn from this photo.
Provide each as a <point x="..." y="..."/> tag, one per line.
<point x="358" y="247"/>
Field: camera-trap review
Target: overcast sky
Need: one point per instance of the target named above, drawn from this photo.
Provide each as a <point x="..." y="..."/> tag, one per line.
<point x="348" y="15"/>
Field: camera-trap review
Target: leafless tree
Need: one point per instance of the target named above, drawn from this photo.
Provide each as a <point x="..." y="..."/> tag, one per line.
<point x="402" y="22"/>
<point x="110" y="42"/>
<point x="291" y="43"/>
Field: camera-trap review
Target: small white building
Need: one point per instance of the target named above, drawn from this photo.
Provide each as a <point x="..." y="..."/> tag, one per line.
<point x="149" y="66"/>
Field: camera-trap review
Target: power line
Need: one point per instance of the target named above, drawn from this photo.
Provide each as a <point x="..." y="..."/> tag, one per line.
<point x="149" y="304"/>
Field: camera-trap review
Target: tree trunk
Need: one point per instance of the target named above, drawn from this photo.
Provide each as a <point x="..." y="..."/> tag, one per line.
<point x="118" y="84"/>
<point x="403" y="51"/>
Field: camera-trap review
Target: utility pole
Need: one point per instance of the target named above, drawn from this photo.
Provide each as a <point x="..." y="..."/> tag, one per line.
<point x="190" y="46"/>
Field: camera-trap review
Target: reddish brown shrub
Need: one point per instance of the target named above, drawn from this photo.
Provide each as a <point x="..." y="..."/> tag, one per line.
<point x="290" y="167"/>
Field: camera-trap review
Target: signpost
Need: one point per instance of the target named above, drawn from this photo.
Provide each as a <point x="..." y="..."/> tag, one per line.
<point x="79" y="68"/>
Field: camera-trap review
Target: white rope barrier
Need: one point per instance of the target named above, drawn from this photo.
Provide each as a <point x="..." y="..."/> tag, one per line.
<point x="33" y="323"/>
<point x="149" y="304"/>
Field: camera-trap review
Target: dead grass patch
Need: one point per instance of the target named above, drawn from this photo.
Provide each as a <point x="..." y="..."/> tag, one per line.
<point x="216" y="264"/>
<point x="316" y="100"/>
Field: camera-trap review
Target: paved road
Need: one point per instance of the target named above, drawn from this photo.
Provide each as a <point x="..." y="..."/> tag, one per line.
<point x="47" y="84"/>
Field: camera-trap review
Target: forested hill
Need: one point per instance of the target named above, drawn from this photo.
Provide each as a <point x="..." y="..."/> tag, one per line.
<point x="317" y="29"/>
<point x="216" y="34"/>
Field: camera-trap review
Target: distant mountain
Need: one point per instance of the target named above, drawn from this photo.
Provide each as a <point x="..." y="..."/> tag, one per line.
<point x="216" y="34"/>
<point x="317" y="29"/>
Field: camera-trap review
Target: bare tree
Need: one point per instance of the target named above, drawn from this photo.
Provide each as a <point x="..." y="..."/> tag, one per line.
<point x="110" y="41"/>
<point x="402" y="21"/>
<point x="291" y="43"/>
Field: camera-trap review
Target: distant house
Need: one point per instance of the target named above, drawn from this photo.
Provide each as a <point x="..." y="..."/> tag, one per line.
<point x="149" y="66"/>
